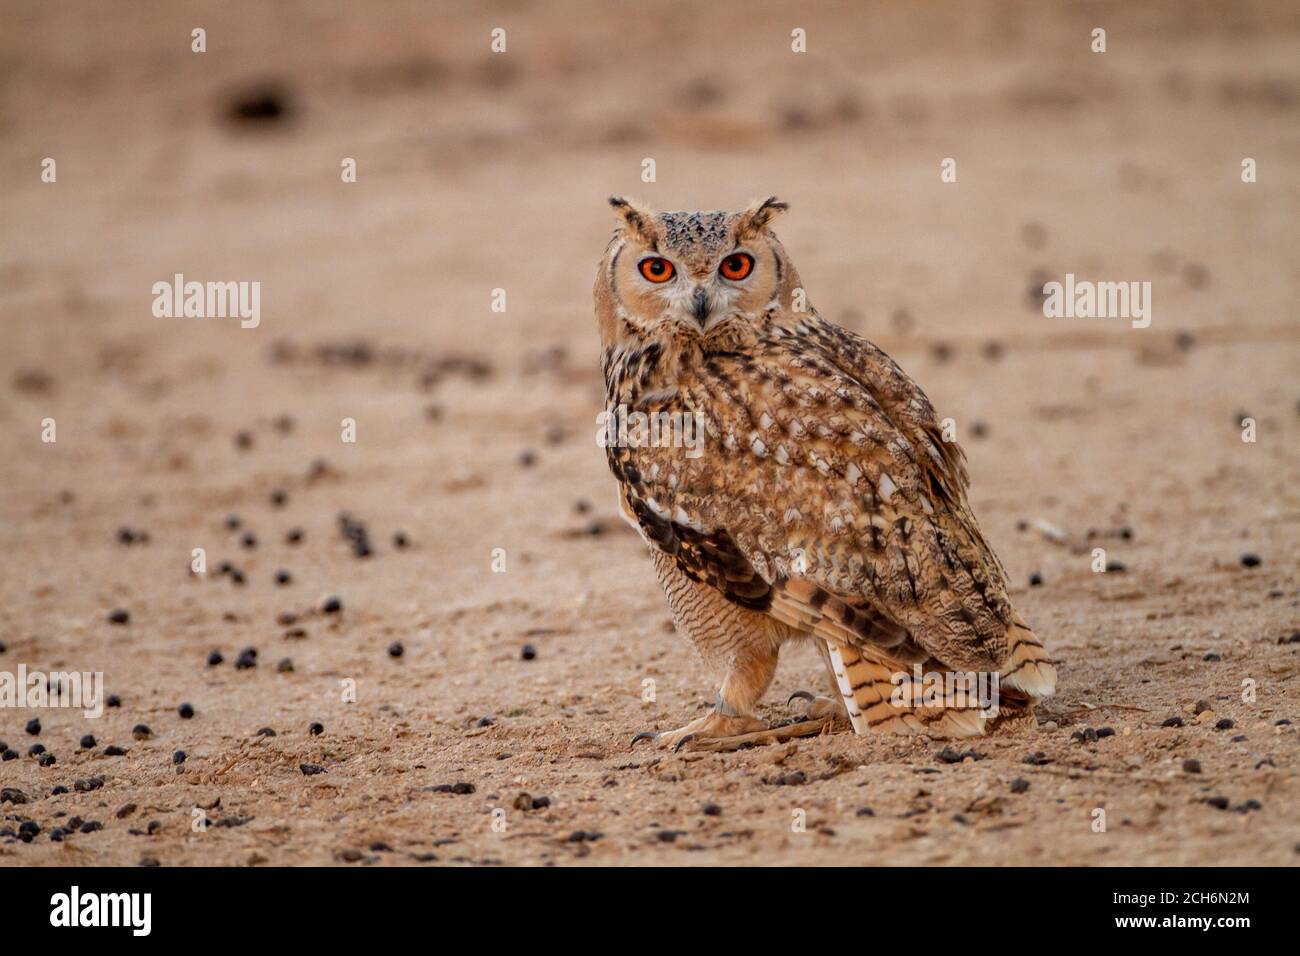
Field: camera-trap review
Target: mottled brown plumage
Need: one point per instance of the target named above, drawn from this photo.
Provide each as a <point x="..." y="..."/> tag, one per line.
<point x="824" y="502"/>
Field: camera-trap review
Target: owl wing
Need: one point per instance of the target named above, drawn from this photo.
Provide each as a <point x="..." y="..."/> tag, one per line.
<point x="825" y="494"/>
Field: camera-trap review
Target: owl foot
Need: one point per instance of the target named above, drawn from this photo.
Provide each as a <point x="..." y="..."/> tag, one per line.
<point x="818" y="706"/>
<point x="711" y="726"/>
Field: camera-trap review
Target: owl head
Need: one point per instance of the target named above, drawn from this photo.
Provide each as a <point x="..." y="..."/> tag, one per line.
<point x="688" y="276"/>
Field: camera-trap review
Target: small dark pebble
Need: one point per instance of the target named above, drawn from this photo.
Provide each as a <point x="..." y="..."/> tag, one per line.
<point x="243" y="440"/>
<point x="1173" y="722"/>
<point x="249" y="541"/>
<point x="400" y="540"/>
<point x="461" y="788"/>
<point x="46" y="760"/>
<point x="35" y="750"/>
<point x="186" y="711"/>
<point x="11" y="795"/>
<point x="237" y="577"/>
<point x="1019" y="785"/>
<point x="279" y="498"/>
<point x="526" y="458"/>
<point x="380" y="847"/>
<point x="1224" y="724"/>
<point x="865" y="812"/>
<point x="949" y="755"/>
<point x="88" y="741"/>
<point x="1219" y="803"/>
<point x="528" y="652"/>
<point x="59" y="790"/>
<point x="1211" y="657"/>
<point x="232" y="522"/>
<point x="294" y="536"/>
<point x="711" y="810"/>
<point x="265" y="732"/>
<point x="1250" y="560"/>
<point x="1038" y="759"/>
<point x="215" y="658"/>
<point x="316" y="729"/>
<point x="485" y="722"/>
<point x="112" y="750"/>
<point x="1116" y="567"/>
<point x="141" y="732"/>
<point x="247" y="658"/>
<point x="310" y="769"/>
<point x="33" y="726"/>
<point x="1036" y="579"/>
<point x="283" y="577"/>
<point x="119" y="616"/>
<point x="1105" y="732"/>
<point x="285" y="666"/>
<point x="396" y="649"/>
<point x="332" y="605"/>
<point x="8" y="755"/>
<point x="90" y="826"/>
<point x="584" y="836"/>
<point x="1191" y="765"/>
<point x="178" y="757"/>
<point x="125" y="810"/>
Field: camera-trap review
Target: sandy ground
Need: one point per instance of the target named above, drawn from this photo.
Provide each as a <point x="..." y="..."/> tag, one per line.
<point x="475" y="429"/>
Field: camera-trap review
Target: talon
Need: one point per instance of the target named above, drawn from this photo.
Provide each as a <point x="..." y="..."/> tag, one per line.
<point x="802" y="695"/>
<point x="644" y="735"/>
<point x="683" y="742"/>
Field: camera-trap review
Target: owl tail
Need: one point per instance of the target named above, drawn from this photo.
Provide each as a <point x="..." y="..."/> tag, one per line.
<point x="1029" y="669"/>
<point x="886" y="698"/>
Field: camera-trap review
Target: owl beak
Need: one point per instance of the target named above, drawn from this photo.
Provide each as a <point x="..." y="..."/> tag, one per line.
<point x="700" y="306"/>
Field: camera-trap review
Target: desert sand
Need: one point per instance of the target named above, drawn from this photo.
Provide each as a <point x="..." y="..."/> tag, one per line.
<point x="475" y="429"/>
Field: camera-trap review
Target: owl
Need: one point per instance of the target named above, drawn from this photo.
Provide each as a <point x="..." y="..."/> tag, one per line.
<point x="794" y="484"/>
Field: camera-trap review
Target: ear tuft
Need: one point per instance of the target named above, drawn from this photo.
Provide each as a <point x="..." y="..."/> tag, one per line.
<point x="637" y="218"/>
<point x="760" y="214"/>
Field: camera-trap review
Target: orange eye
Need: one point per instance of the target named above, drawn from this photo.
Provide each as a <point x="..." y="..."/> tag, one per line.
<point x="737" y="266"/>
<point x="656" y="269"/>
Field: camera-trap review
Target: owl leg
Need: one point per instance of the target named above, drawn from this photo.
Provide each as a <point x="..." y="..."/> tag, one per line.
<point x="747" y="679"/>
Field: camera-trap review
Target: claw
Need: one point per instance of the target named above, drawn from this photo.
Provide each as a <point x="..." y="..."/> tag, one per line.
<point x="802" y="695"/>
<point x="644" y="735"/>
<point x="683" y="742"/>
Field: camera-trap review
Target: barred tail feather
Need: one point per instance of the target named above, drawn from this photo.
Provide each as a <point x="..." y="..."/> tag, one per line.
<point x="868" y="690"/>
<point x="1028" y="669"/>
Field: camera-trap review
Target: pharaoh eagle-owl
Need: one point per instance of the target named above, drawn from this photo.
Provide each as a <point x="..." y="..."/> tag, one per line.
<point x="821" y="501"/>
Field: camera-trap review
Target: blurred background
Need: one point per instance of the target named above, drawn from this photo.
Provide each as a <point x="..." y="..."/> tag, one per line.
<point x="478" y="171"/>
